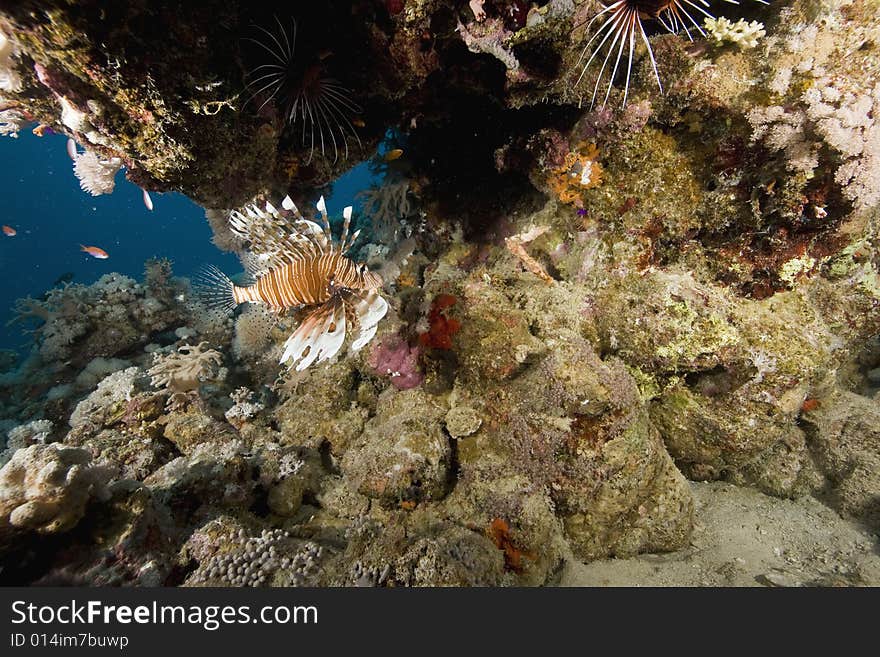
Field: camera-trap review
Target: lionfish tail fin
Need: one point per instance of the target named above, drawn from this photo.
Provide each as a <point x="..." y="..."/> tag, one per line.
<point x="319" y="336"/>
<point x="368" y="307"/>
<point x="214" y="289"/>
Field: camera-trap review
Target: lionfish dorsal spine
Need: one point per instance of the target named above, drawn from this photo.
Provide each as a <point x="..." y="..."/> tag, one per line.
<point x="322" y="209"/>
<point x="346" y="215"/>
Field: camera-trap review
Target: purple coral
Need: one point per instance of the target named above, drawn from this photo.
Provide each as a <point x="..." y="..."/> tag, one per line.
<point x="395" y="358"/>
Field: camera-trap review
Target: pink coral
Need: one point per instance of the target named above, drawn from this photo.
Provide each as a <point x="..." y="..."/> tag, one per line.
<point x="394" y="357"/>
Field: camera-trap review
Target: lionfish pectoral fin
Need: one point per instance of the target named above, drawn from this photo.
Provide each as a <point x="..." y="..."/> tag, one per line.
<point x="369" y="308"/>
<point x="318" y="338"/>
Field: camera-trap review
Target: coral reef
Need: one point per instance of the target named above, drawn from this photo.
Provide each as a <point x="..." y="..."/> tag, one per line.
<point x="25" y="435"/>
<point x="71" y="315"/>
<point x="596" y="308"/>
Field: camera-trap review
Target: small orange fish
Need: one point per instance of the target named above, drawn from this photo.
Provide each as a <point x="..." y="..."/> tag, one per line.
<point x="358" y="123"/>
<point x="392" y="155"/>
<point x="9" y="231"/>
<point x="95" y="252"/>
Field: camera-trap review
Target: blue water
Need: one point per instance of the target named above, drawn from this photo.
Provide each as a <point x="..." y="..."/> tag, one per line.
<point x="42" y="200"/>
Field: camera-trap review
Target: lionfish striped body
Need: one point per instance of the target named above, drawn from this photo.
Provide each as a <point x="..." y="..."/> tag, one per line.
<point x="306" y="282"/>
<point x="296" y="264"/>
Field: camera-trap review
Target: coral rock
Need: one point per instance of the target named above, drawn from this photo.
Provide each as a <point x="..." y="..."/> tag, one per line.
<point x="403" y="453"/>
<point x="46" y="488"/>
<point x="639" y="502"/>
<point x="844" y="438"/>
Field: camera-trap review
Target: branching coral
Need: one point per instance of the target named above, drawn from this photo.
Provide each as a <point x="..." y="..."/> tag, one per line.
<point x="157" y="276"/>
<point x="784" y="130"/>
<point x="743" y="33"/>
<point x="185" y="370"/>
<point x="849" y="122"/>
<point x="243" y="408"/>
<point x="30" y="308"/>
<point x="842" y="118"/>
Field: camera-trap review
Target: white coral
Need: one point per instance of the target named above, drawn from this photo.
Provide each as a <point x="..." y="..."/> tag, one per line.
<point x="45" y="488"/>
<point x="26" y="435"/>
<point x="784" y="131"/>
<point x="244" y="409"/>
<point x="9" y="78"/>
<point x="847" y="120"/>
<point x="742" y="33"/>
<point x="96" y="176"/>
<point x="11" y="122"/>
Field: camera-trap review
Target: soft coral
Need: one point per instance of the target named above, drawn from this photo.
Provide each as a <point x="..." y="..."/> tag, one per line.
<point x="441" y="326"/>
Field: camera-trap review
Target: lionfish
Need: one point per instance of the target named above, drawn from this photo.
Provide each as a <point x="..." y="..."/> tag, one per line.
<point x="623" y="24"/>
<point x="304" y="92"/>
<point x="296" y="265"/>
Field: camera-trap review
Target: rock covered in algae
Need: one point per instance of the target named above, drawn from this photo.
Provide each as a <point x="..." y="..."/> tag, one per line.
<point x="229" y="555"/>
<point x="195" y="432"/>
<point x="567" y="421"/>
<point x="438" y="554"/>
<point x="403" y="453"/>
<point x="843" y="434"/>
<point x="319" y="409"/>
<point x="462" y="421"/>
